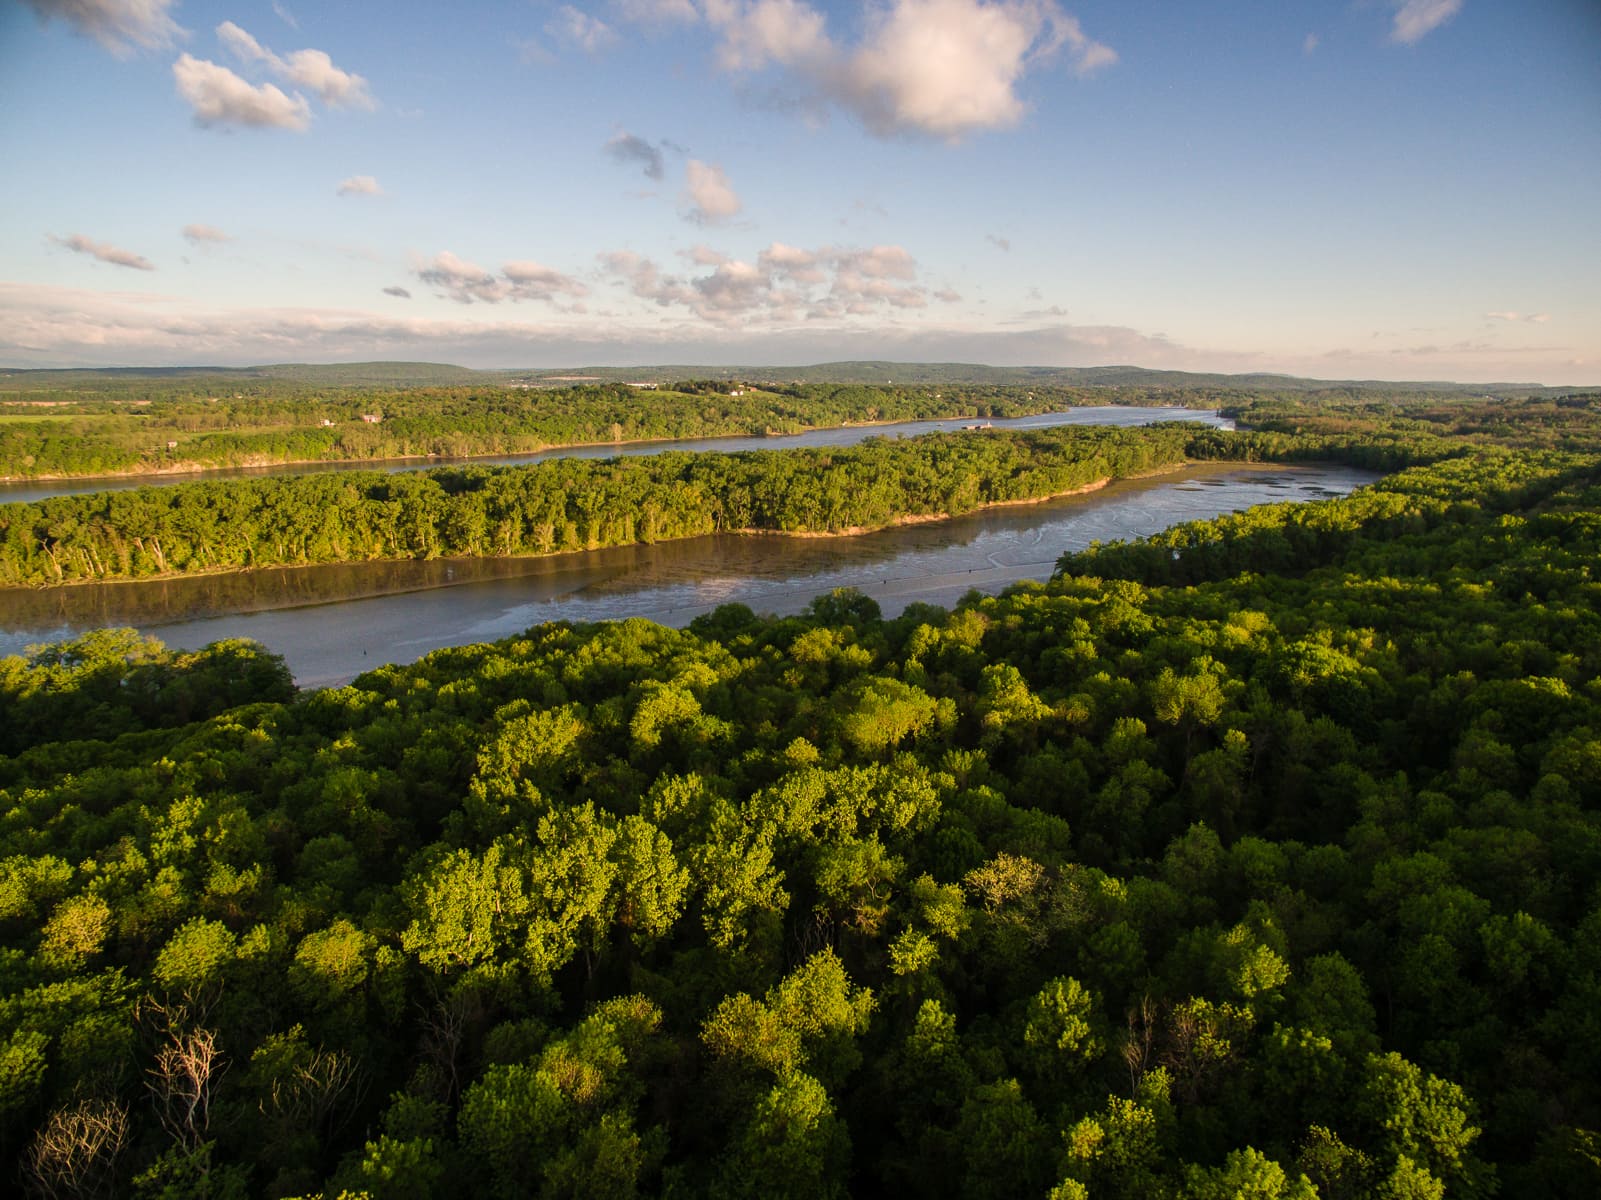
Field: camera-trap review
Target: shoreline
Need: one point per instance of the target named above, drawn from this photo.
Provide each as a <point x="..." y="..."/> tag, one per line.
<point x="201" y="473"/>
<point x="851" y="531"/>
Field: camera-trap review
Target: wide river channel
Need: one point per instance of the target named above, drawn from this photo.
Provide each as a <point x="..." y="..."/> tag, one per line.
<point x="333" y="622"/>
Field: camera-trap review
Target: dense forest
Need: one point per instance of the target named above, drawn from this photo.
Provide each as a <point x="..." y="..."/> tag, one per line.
<point x="1257" y="859"/>
<point x="570" y="504"/>
<point x="283" y="422"/>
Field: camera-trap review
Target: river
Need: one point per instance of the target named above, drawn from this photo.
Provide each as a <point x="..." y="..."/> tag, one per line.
<point x="23" y="491"/>
<point x="331" y="623"/>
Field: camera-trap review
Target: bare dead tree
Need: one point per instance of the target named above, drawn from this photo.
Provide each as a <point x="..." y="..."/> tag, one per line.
<point x="1139" y="1042"/>
<point x="181" y="1083"/>
<point x="75" y="1152"/>
<point x="188" y="1065"/>
<point x="315" y="1092"/>
<point x="445" y="1026"/>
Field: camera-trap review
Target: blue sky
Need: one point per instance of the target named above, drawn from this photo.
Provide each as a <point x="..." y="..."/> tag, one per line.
<point x="1399" y="189"/>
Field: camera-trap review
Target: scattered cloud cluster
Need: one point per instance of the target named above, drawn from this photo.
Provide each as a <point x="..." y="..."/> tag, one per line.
<point x="468" y="283"/>
<point x="359" y="185"/>
<point x="710" y="197"/>
<point x="785" y="283"/>
<point x="1537" y="318"/>
<point x="1416" y="19"/>
<point x="628" y="148"/>
<point x="106" y="252"/>
<point x="58" y="326"/>
<point x="937" y="68"/>
<point x="121" y="26"/>
<point x="205" y="235"/>
<point x="219" y="96"/>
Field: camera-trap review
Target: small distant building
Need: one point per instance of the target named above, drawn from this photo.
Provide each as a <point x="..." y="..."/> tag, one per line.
<point x="371" y="418"/>
<point x="172" y="445"/>
<point x="325" y="423"/>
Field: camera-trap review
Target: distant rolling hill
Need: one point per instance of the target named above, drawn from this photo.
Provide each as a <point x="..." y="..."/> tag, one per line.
<point x="113" y="380"/>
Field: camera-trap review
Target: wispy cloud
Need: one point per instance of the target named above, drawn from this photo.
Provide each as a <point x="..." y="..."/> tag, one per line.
<point x="710" y="196"/>
<point x="468" y="283"/>
<point x="105" y="252"/>
<point x="121" y="26"/>
<point x="627" y="148"/>
<point x="399" y="292"/>
<point x="576" y="28"/>
<point x="658" y="12"/>
<point x="310" y="69"/>
<point x="205" y="234"/>
<point x="219" y="97"/>
<point x="359" y="185"/>
<point x="284" y="15"/>
<point x="1416" y="19"/>
<point x="999" y="242"/>
<point x="1310" y="43"/>
<point x="1508" y="315"/>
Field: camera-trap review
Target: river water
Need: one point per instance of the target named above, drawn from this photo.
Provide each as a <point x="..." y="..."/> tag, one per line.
<point x="331" y="623"/>
<point x="26" y="491"/>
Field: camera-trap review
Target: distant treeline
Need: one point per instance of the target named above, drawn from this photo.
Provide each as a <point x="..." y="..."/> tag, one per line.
<point x="282" y="423"/>
<point x="572" y="504"/>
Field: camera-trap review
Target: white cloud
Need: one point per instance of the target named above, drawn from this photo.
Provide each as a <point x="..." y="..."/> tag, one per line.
<point x="310" y="69"/>
<point x="941" y="68"/>
<point x="284" y="15"/>
<point x="576" y="28"/>
<point x="118" y="25"/>
<point x="711" y="197"/>
<point x="627" y="148"/>
<point x="203" y="234"/>
<point x="219" y="97"/>
<point x="466" y="282"/>
<point x="1416" y="19"/>
<point x="105" y="252"/>
<point x="359" y="185"/>
<point x="1508" y="315"/>
<point x="1310" y="43"/>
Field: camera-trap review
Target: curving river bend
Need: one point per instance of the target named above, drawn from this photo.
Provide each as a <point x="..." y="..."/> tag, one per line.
<point x="333" y="622"/>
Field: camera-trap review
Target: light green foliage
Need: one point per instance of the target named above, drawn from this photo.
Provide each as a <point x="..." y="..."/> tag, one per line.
<point x="196" y="957"/>
<point x="1061" y="1023"/>
<point x="882" y="713"/>
<point x="793" y="1146"/>
<point x="1246" y="1175"/>
<point x="809" y="1020"/>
